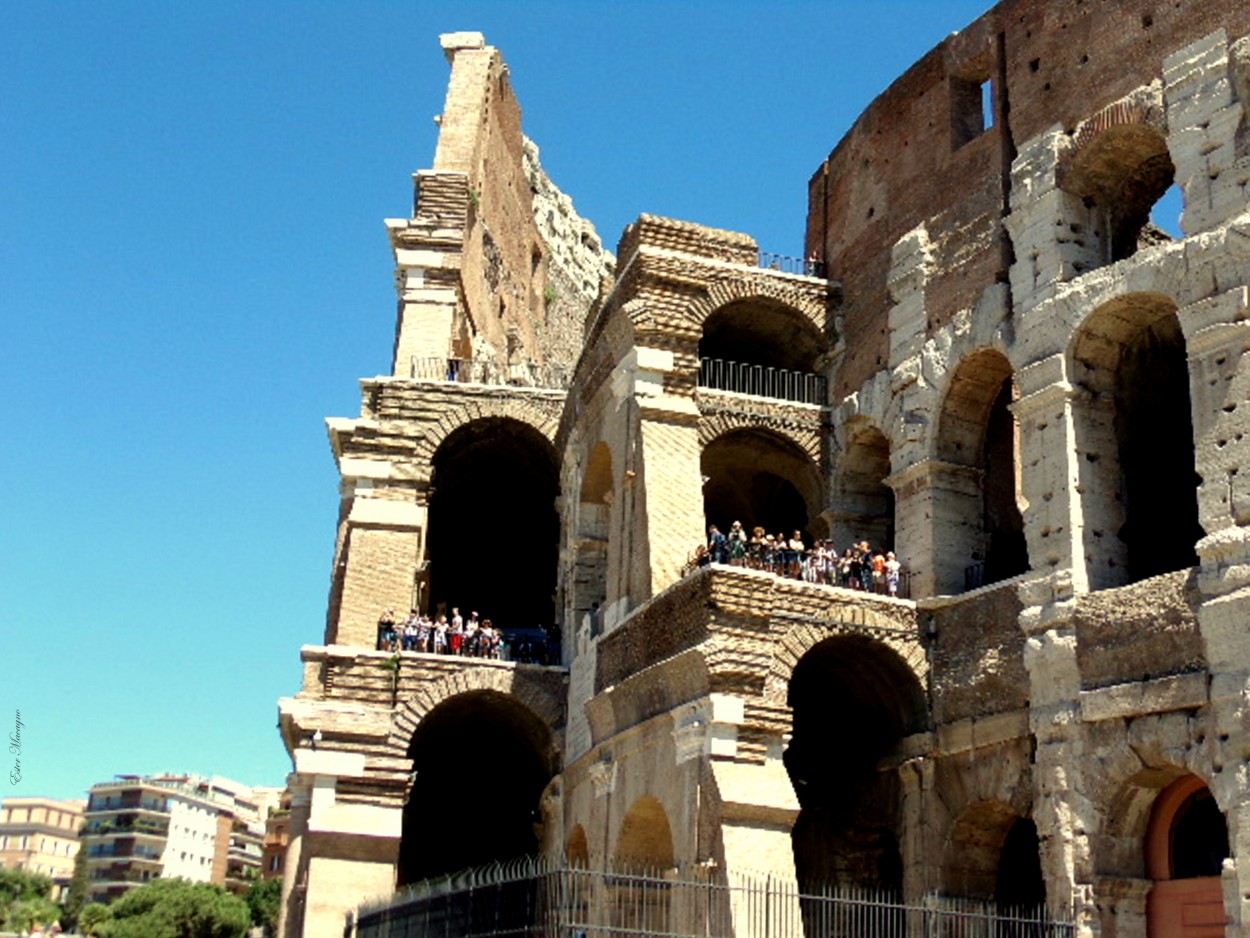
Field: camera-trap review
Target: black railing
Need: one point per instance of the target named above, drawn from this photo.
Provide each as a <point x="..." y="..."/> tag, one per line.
<point x="763" y="381"/>
<point x="808" y="267"/>
<point x="480" y="371"/>
<point x="535" y="897"/>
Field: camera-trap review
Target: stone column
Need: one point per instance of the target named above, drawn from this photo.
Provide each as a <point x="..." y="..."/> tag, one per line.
<point x="919" y="846"/>
<point x="349" y="851"/>
<point x="933" y="504"/>
<point x="1063" y="813"/>
<point x="294" y="868"/>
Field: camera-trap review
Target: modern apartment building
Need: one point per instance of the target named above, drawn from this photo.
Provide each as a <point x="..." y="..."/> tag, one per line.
<point x="41" y="835"/>
<point x="202" y="829"/>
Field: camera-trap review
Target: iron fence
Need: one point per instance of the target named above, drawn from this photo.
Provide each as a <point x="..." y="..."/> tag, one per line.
<point x="481" y="371"/>
<point x="543" y="899"/>
<point x="763" y="381"/>
<point x="808" y="267"/>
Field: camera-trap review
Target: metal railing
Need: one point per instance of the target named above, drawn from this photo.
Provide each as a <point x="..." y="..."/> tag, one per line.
<point x="481" y="371"/>
<point x="535" y="897"/>
<point x="808" y="267"/>
<point x="763" y="381"/>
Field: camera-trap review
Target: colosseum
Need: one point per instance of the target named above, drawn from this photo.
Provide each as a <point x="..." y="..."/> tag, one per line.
<point x="989" y="360"/>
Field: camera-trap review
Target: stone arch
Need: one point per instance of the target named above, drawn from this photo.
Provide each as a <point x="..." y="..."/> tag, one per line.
<point x="591" y="536"/>
<point x="796" y="641"/>
<point x="543" y="418"/>
<point x="992" y="852"/>
<point x="767" y="289"/>
<point x="1134" y="437"/>
<point x="494" y="480"/>
<point x="853" y="700"/>
<point x="546" y="703"/>
<point x="719" y="423"/>
<point x="979" y="527"/>
<point x="645" y="840"/>
<point x="864" y="504"/>
<point x="577" y="847"/>
<point x="762" y="477"/>
<point x="1119" y="167"/>
<point x="475" y="749"/>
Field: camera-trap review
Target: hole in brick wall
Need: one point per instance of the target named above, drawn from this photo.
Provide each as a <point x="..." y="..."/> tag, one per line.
<point x="1035" y="64"/>
<point x="1147" y="20"/>
<point x="971" y="102"/>
<point x="1085" y="60"/>
<point x="994" y="854"/>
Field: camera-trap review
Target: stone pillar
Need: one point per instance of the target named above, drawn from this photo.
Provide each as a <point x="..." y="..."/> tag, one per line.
<point x="1203" y="118"/>
<point x="349" y="851"/>
<point x="377" y="566"/>
<point x="935" y="504"/>
<point x="1052" y="483"/>
<point x="1063" y="813"/>
<point x="662" y="487"/>
<point x="919" y="846"/>
<point x="295" y="867"/>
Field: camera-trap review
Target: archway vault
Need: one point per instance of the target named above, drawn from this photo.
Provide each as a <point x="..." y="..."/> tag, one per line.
<point x="541" y="415"/>
<point x="546" y="703"/>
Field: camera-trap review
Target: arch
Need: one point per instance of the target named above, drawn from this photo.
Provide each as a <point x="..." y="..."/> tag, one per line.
<point x="1134" y="437"/>
<point x="981" y="528"/>
<point x="853" y="700"/>
<point x="716" y="423"/>
<point x="1186" y="844"/>
<point x="577" y="847"/>
<point x="541" y="415"/>
<point x="993" y="853"/>
<point x="645" y="841"/>
<point x="866" y="503"/>
<point x="1119" y="170"/>
<point x="481" y="761"/>
<point x="763" y="289"/>
<point x="545" y="702"/>
<point x="593" y="520"/>
<point x="760" y="477"/>
<point x="644" y="845"/>
<point x="493" y="487"/>
<point x="762" y="330"/>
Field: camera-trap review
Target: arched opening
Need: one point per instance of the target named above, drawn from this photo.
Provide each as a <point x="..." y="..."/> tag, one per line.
<point x="866" y="509"/>
<point x="993" y="854"/>
<point x="764" y="347"/>
<point x="982" y="529"/>
<point x="1186" y="845"/>
<point x="481" y="761"/>
<point x="577" y="848"/>
<point x="493" y="488"/>
<point x="761" y="479"/>
<point x="641" y="903"/>
<point x="594" y="509"/>
<point x="853" y="700"/>
<point x="1134" y="434"/>
<point x="1119" y="175"/>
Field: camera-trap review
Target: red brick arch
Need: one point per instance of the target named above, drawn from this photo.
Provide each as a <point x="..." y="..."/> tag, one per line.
<point x="544" y="419"/>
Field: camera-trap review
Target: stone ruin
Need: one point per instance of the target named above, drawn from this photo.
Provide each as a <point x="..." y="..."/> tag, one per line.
<point x="990" y="360"/>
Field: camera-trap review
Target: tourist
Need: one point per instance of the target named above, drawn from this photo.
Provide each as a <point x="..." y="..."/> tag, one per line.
<point x="796" y="549"/>
<point x="716" y="545"/>
<point x="892" y="571"/>
<point x="440" y="636"/>
<point x="737" y="544"/>
<point x="455" y="634"/>
<point x="386" y="630"/>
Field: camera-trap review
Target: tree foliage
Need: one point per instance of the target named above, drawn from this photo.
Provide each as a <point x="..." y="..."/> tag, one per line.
<point x="176" y="908"/>
<point x="264" y="898"/>
<point x="24" y="900"/>
<point x="16" y="885"/>
<point x="76" y="897"/>
<point x="92" y="917"/>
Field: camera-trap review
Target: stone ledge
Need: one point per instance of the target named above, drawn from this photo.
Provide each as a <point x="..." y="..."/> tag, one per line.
<point x="1177" y="692"/>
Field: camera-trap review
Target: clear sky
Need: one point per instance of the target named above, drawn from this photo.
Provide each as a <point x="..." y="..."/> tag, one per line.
<point x="194" y="273"/>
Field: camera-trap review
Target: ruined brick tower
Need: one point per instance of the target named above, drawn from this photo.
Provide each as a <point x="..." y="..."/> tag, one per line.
<point x="991" y="361"/>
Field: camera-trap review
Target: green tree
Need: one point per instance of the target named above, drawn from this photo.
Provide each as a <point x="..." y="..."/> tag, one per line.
<point x="76" y="897"/>
<point x="176" y="908"/>
<point x="264" y="899"/>
<point x="92" y="917"/>
<point x="24" y="914"/>
<point x="16" y="885"/>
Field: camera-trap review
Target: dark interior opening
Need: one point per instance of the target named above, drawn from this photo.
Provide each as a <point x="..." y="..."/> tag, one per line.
<point x="761" y="332"/>
<point x="481" y="763"/>
<point x="760" y="479"/>
<point x="494" y="484"/>
<point x="853" y="700"/>
<point x="1020" y="882"/>
<point x="1199" y="838"/>
<point x="1006" y="552"/>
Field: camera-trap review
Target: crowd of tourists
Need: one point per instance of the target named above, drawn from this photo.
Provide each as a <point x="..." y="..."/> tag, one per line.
<point x="858" y="567"/>
<point x="460" y="636"/>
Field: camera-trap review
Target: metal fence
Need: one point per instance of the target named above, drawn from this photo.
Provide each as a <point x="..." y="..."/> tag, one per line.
<point x="762" y="381"/>
<point x="808" y="267"/>
<point x="543" y="899"/>
<point x="479" y="371"/>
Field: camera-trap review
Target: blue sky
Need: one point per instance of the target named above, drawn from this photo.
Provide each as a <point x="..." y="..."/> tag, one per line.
<point x="194" y="273"/>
